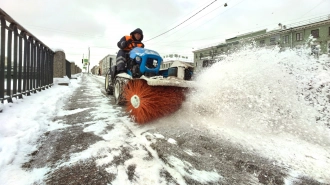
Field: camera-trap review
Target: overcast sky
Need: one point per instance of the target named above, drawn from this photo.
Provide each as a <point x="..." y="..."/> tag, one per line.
<point x="76" y="25"/>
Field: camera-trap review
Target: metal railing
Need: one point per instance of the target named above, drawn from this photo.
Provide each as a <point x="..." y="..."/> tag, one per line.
<point x="68" y="69"/>
<point x="26" y="64"/>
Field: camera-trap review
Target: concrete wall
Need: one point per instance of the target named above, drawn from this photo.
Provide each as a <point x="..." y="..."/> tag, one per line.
<point x="59" y="65"/>
<point x="73" y="68"/>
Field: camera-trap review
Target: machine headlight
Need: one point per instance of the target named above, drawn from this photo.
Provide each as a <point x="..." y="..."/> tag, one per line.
<point x="138" y="59"/>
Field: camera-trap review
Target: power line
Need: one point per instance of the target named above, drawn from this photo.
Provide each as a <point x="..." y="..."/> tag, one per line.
<point x="184" y="17"/>
<point x="181" y="22"/>
<point x="207" y="14"/>
<point x="313" y="8"/>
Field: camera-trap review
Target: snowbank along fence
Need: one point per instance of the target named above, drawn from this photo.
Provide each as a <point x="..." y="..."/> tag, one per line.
<point x="27" y="65"/>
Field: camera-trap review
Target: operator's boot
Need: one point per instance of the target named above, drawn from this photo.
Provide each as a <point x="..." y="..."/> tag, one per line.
<point x="109" y="80"/>
<point x="113" y="73"/>
<point x="121" y="66"/>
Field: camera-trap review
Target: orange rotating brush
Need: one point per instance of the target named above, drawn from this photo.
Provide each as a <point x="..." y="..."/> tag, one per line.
<point x="146" y="103"/>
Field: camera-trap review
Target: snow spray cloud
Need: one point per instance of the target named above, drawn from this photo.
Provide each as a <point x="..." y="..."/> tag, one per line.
<point x="265" y="91"/>
<point x="267" y="102"/>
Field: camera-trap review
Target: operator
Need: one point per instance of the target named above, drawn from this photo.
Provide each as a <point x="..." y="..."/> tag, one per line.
<point x="126" y="44"/>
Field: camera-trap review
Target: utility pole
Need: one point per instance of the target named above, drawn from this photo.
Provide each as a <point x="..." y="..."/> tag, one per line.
<point x="83" y="61"/>
<point x="89" y="58"/>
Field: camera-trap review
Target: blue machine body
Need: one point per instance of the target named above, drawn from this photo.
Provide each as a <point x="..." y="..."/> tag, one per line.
<point x="149" y="61"/>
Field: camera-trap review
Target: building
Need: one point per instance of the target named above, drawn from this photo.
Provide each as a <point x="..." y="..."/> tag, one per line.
<point x="105" y="63"/>
<point x="176" y="57"/>
<point x="95" y="70"/>
<point x="166" y="64"/>
<point x="286" y="36"/>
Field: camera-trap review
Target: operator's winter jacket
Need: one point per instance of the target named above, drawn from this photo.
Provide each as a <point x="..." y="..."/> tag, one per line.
<point x="135" y="43"/>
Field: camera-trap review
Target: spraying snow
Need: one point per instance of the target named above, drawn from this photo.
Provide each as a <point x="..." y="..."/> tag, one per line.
<point x="274" y="103"/>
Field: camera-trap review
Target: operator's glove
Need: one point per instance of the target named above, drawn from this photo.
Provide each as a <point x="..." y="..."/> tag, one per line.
<point x="124" y="44"/>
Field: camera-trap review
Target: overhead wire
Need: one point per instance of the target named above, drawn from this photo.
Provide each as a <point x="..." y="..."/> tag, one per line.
<point x="183" y="17"/>
<point x="181" y="22"/>
<point x="206" y="21"/>
<point x="199" y="18"/>
<point x="313" y="8"/>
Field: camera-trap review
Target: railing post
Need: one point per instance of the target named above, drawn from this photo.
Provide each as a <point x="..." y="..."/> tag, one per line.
<point x="20" y="62"/>
<point x="9" y="54"/>
<point x="2" y="57"/>
<point x="47" y="65"/>
<point x="43" y="67"/>
<point x="33" y="66"/>
<point x="28" y="66"/>
<point x="46" y="73"/>
<point x="51" y="67"/>
<point x="25" y="45"/>
<point x="38" y="74"/>
<point x="68" y="69"/>
<point x="15" y="58"/>
<point x="73" y="69"/>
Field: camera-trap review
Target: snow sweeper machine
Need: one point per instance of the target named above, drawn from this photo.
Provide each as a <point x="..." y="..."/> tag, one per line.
<point x="146" y="89"/>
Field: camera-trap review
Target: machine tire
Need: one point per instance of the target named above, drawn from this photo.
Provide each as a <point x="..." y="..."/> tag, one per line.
<point x="187" y="74"/>
<point x="118" y="92"/>
<point x="107" y="86"/>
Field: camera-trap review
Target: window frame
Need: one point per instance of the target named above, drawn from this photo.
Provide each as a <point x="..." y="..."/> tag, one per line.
<point x="272" y="41"/>
<point x="300" y="36"/>
<point x="316" y="33"/>
<point x="286" y="39"/>
<point x="262" y="42"/>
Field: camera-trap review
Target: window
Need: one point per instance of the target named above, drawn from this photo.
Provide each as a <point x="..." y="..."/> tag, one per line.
<point x="262" y="42"/>
<point x="286" y="39"/>
<point x="329" y="30"/>
<point x="272" y="41"/>
<point x="205" y="63"/>
<point x="315" y="33"/>
<point x="299" y="36"/>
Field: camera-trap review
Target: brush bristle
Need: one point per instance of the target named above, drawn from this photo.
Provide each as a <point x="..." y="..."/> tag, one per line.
<point x="155" y="101"/>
